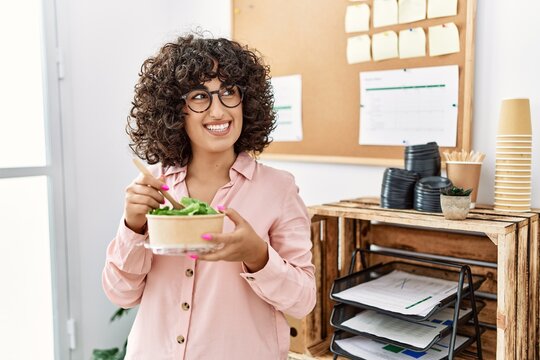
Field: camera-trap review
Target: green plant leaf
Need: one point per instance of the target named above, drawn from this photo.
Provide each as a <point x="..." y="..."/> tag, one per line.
<point x="192" y="207"/>
<point x="118" y="314"/>
<point x="105" y="354"/>
<point x="456" y="191"/>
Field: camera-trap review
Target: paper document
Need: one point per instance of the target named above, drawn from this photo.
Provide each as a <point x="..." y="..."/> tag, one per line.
<point x="411" y="10"/>
<point x="416" y="334"/>
<point x="385" y="45"/>
<point x="401" y="292"/>
<point x="441" y="8"/>
<point x="358" y="49"/>
<point x="288" y="105"/>
<point x="370" y="349"/>
<point x="409" y="106"/>
<point x="385" y="13"/>
<point x="412" y="43"/>
<point x="443" y="39"/>
<point x="357" y="18"/>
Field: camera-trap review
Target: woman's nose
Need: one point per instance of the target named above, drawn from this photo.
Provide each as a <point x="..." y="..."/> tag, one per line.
<point x="216" y="108"/>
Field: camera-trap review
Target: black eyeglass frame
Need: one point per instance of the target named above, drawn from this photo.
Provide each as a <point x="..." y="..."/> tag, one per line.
<point x="211" y="97"/>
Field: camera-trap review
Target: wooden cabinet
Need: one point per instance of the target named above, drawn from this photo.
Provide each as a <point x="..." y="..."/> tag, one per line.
<point x="503" y="247"/>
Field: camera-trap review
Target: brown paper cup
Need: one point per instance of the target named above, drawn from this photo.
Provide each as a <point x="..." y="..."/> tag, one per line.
<point x="514" y="143"/>
<point x="517" y="136"/>
<point x="513" y="162"/>
<point x="512" y="172"/>
<point x="509" y="155"/>
<point x="512" y="192"/>
<point x="507" y="185"/>
<point x="514" y="149"/>
<point x="506" y="208"/>
<point x="465" y="175"/>
<point x="515" y="117"/>
<point x="513" y="178"/>
<point x="499" y="198"/>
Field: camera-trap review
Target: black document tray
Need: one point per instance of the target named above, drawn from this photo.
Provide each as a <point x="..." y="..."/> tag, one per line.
<point x="344" y="312"/>
<point x="338" y="335"/>
<point x="377" y="271"/>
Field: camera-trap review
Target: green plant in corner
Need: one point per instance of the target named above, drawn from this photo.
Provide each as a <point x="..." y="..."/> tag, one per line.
<point x="114" y="353"/>
<point x="456" y="191"/>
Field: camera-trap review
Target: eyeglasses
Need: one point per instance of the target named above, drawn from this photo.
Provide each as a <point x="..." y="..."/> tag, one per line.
<point x="200" y="100"/>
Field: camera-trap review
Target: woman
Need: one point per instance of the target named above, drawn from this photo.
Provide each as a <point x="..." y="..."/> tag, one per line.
<point x="200" y="106"/>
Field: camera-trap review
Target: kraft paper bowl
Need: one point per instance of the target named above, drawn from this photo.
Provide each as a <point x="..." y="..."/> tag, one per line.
<point x="183" y="232"/>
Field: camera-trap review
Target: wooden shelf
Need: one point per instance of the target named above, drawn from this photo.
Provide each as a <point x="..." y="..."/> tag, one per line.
<point x="503" y="246"/>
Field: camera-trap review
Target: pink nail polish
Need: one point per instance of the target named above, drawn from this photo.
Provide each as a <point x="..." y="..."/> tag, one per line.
<point x="221" y="207"/>
<point x="206" y="236"/>
<point x="194" y="257"/>
<point x="164" y="187"/>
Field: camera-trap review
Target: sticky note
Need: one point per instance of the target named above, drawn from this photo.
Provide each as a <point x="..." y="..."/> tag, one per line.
<point x="414" y="354"/>
<point x="385" y="45"/>
<point x="385" y="12"/>
<point x="411" y="10"/>
<point x="412" y="43"/>
<point x="357" y="18"/>
<point x="358" y="49"/>
<point x="443" y="39"/>
<point x="441" y="8"/>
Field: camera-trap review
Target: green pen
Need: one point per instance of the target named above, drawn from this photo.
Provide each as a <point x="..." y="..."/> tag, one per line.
<point x="418" y="302"/>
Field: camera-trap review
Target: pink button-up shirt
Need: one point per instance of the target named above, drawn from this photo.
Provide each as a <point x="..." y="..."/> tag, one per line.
<point x="195" y="310"/>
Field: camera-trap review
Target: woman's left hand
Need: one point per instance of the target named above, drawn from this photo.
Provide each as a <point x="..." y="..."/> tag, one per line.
<point x="243" y="244"/>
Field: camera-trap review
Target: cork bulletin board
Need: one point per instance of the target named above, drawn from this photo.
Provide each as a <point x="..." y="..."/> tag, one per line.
<point x="308" y="38"/>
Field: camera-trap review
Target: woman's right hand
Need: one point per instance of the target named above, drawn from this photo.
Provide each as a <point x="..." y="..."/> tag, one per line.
<point x="142" y="195"/>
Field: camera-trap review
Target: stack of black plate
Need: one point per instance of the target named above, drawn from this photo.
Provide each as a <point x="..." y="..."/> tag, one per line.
<point x="423" y="159"/>
<point x="397" y="191"/>
<point x="427" y="193"/>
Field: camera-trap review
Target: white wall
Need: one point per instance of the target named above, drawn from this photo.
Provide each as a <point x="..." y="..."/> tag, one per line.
<point x="104" y="44"/>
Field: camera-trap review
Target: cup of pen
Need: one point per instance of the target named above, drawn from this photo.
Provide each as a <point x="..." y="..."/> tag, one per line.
<point x="465" y="175"/>
<point x="463" y="169"/>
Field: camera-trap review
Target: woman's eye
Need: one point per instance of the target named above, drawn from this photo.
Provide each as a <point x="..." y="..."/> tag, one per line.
<point x="199" y="96"/>
<point x="228" y="92"/>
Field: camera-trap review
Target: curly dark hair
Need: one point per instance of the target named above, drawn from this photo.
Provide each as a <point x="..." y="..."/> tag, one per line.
<point x="156" y="124"/>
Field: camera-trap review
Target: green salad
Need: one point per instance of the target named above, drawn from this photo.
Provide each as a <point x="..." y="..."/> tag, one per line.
<point x="192" y="207"/>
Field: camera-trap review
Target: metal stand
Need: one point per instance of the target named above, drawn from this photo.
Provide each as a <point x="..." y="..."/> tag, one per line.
<point x="464" y="272"/>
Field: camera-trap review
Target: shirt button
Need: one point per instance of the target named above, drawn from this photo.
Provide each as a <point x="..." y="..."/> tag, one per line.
<point x="185" y="306"/>
<point x="250" y="278"/>
<point x="189" y="272"/>
<point x="180" y="339"/>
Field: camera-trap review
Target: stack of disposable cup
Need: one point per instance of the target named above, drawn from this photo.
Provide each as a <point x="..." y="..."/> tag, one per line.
<point x="513" y="160"/>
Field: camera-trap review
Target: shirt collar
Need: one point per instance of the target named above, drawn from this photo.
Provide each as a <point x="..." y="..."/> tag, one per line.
<point x="244" y="165"/>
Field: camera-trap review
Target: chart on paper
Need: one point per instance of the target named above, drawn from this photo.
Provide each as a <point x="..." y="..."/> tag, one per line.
<point x="409" y="106"/>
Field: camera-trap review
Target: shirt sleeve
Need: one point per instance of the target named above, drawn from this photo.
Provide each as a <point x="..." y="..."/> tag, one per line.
<point x="287" y="281"/>
<point x="126" y="266"/>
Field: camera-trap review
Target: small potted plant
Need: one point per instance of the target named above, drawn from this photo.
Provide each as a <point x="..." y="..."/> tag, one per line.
<point x="455" y="203"/>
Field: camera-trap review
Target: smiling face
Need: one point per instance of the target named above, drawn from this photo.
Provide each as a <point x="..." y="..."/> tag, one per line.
<point x="217" y="129"/>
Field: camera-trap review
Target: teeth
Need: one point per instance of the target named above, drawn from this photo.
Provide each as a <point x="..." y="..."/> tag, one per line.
<point x="221" y="127"/>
